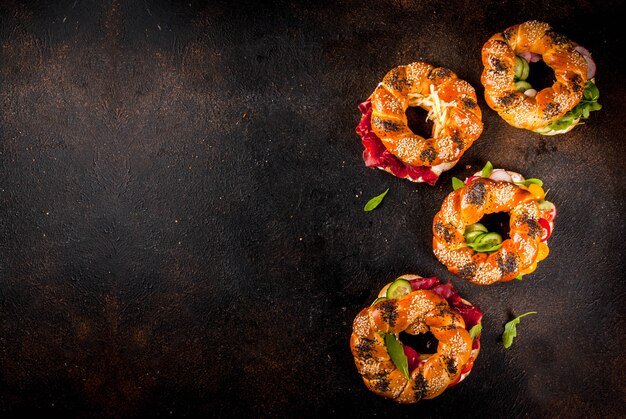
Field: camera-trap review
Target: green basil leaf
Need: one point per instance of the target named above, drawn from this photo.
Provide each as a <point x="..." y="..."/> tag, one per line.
<point x="396" y="353"/>
<point x="530" y="181"/>
<point x="519" y="277"/>
<point x="486" y="172"/>
<point x="475" y="330"/>
<point x="375" y="201"/>
<point x="510" y="329"/>
<point x="543" y="130"/>
<point x="457" y="183"/>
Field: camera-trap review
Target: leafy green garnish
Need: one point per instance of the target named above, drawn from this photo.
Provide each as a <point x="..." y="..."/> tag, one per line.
<point x="396" y="352"/>
<point x="519" y="277"/>
<point x="510" y="329"/>
<point x="375" y="201"/>
<point x="457" y="183"/>
<point x="486" y="172"/>
<point x="530" y="181"/>
<point x="587" y="104"/>
<point x="475" y="330"/>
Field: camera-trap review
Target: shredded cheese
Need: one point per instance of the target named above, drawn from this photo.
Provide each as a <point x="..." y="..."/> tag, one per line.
<point x="437" y="108"/>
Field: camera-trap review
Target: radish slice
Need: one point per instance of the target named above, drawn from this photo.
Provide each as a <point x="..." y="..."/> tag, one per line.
<point x="526" y="55"/>
<point x="531" y="57"/>
<point x="516" y="177"/>
<point x="472" y="178"/>
<point x="530" y="93"/>
<point x="547" y="230"/>
<point x="412" y="357"/>
<point x="500" y="175"/>
<point x="591" y="65"/>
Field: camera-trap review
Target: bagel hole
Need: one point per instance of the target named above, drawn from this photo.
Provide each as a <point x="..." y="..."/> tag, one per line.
<point x="540" y="75"/>
<point x="497" y="222"/>
<point x="424" y="343"/>
<point x="417" y="121"/>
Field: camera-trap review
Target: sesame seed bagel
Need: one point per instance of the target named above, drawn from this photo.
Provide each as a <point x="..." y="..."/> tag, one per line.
<point x="430" y="307"/>
<point x="451" y="105"/>
<point x="548" y="105"/>
<point x="529" y="224"/>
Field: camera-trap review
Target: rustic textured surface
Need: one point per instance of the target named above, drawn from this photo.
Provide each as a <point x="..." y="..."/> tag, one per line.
<point x="181" y="224"/>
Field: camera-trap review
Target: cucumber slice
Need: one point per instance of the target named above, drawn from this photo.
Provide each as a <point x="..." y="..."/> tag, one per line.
<point x="399" y="288"/>
<point x="526" y="70"/>
<point x="473" y="235"/>
<point x="489" y="239"/>
<point x="521" y="69"/>
<point x="546" y="206"/>
<point x="543" y="130"/>
<point x="522" y="86"/>
<point x="378" y="300"/>
<point x="475" y="227"/>
<point x="484" y="248"/>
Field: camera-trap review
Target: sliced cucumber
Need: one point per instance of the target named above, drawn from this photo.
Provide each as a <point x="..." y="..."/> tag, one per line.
<point x="522" y="86"/>
<point x="378" y="300"/>
<point x="491" y="248"/>
<point x="522" y="69"/>
<point x="543" y="130"/>
<point x="475" y="227"/>
<point x="546" y="206"/>
<point x="399" y="288"/>
<point x="484" y="248"/>
<point x="489" y="239"/>
<point x="473" y="235"/>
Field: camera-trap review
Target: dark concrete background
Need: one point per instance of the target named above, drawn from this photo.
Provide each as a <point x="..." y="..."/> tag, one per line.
<point x="181" y="224"/>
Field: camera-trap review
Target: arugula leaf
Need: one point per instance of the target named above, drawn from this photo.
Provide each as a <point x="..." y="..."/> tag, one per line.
<point x="457" y="183"/>
<point x="590" y="91"/>
<point x="375" y="201"/>
<point x="486" y="172"/>
<point x="588" y="103"/>
<point x="396" y="352"/>
<point x="530" y="181"/>
<point x="510" y="329"/>
<point x="475" y="330"/>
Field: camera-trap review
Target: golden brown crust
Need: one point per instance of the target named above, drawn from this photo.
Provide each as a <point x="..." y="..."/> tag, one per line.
<point x="467" y="206"/>
<point x="451" y="101"/>
<point x="421" y="311"/>
<point x="551" y="103"/>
